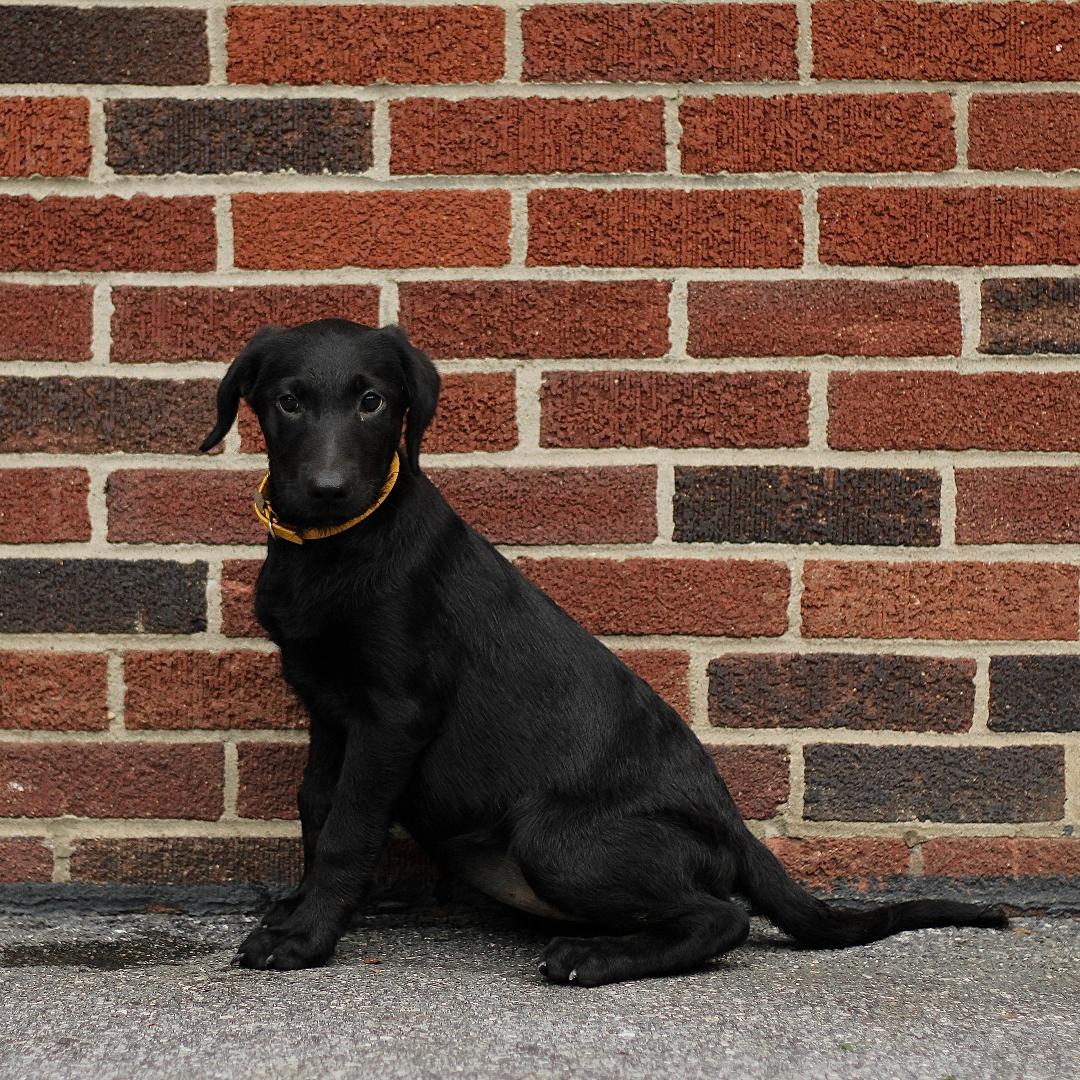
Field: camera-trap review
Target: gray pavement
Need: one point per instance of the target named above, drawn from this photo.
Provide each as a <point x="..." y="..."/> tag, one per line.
<point x="453" y="993"/>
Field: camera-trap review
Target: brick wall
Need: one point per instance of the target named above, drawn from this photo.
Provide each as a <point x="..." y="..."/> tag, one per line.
<point x="758" y="325"/>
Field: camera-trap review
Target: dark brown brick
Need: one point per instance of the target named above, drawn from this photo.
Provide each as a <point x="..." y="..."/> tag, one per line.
<point x="600" y="505"/>
<point x="537" y="318"/>
<point x="722" y="597"/>
<point x="1030" y="315"/>
<point x="1002" y="856"/>
<point x="151" y="46"/>
<point x="1034" y="693"/>
<point x="1027" y="505"/>
<point x="1024" y="131"/>
<point x="747" y="504"/>
<point x="822" y="861"/>
<point x="43" y="506"/>
<point x="652" y="408"/>
<point x="842" y="690"/>
<point x="23" y="859"/>
<point x="815" y="318"/>
<point x="184" y="690"/>
<point x="666" y="671"/>
<point x="238" y="598"/>
<point x="46" y="322"/>
<point x="53" y="691"/>
<point x="99" y="596"/>
<point x="934" y="783"/>
<point x="260" y="135"/>
<point x="756" y="776"/>
<point x="269" y="779"/>
<point x="97" y="414"/>
<point x="134" y="780"/>
<point x="42" y="136"/>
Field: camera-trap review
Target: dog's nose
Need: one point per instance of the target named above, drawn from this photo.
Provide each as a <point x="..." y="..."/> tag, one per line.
<point x="327" y="486"/>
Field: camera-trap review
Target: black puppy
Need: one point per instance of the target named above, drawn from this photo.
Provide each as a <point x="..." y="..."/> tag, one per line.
<point x="449" y="693"/>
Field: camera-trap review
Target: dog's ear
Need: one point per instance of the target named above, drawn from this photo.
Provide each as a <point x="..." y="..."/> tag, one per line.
<point x="237" y="383"/>
<point x="422" y="388"/>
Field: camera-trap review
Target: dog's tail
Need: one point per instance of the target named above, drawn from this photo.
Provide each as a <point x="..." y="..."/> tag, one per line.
<point x="773" y="891"/>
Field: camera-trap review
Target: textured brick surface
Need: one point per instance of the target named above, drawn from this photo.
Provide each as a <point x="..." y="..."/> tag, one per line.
<point x="935" y="783"/>
<point x="537" y="318"/>
<point x="153" y="46"/>
<point x="643" y="227"/>
<point x="308" y="135"/>
<point x="45" y="322"/>
<point x="928" y="410"/>
<point x="1002" y="856"/>
<point x="1018" y="506"/>
<point x="812" y="318"/>
<point x="24" y="860"/>
<point x="747" y="504"/>
<point x="1030" y="315"/>
<point x="1034" y="693"/>
<point x="822" y="860"/>
<point x="1024" y="131"/>
<point x="527" y="135"/>
<point x="639" y="408"/>
<point x="99" y="596"/>
<point x="665" y="670"/>
<point x="902" y="39"/>
<point x="208" y="690"/>
<point x="756" y="776"/>
<point x="659" y="42"/>
<point x="269" y="779"/>
<point x="238" y="598"/>
<point x="982" y="601"/>
<point x="385" y="44"/>
<point x="183" y="506"/>
<point x="43" y="505"/>
<point x="196" y="322"/>
<point x="44" y="136"/>
<point x="936" y="226"/>
<point x="733" y="598"/>
<point x="371" y="228"/>
<point x="137" y="780"/>
<point x="818" y="133"/>
<point x="554" y="506"/>
<point x="53" y="691"/>
<point x="106" y="232"/>
<point x="96" y="414"/>
<point x="842" y="690"/>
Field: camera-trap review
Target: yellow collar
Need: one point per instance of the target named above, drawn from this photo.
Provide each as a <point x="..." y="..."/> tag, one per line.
<point x="264" y="512"/>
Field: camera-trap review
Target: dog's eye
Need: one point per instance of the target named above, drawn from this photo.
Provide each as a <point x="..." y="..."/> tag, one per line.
<point x="370" y="402"/>
<point x="287" y="403"/>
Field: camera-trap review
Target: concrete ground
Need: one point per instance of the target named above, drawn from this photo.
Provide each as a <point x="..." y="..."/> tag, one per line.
<point x="454" y="993"/>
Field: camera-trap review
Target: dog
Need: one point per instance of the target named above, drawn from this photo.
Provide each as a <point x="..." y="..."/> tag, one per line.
<point x="450" y="694"/>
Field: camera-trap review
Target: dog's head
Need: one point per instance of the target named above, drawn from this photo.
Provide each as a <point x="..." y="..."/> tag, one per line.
<point x="331" y="397"/>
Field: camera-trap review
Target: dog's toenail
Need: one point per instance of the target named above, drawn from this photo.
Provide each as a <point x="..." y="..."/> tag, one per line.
<point x="572" y="977"/>
<point x="542" y="967"/>
<point x="270" y="959"/>
<point x="237" y="960"/>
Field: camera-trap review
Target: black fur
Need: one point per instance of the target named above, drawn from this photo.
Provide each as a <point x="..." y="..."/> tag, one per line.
<point x="449" y="693"/>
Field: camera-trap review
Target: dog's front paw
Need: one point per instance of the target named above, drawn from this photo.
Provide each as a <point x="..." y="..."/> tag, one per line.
<point x="282" y="910"/>
<point x="281" y="948"/>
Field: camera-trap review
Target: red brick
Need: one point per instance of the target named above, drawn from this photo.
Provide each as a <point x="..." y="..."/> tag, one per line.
<point x="1030" y="315"/>
<point x="390" y="229"/>
<point x="197" y="323"/>
<point x="818" y="133"/>
<point x="527" y="135"/>
<point x="1024" y="131"/>
<point x="561" y="319"/>
<point x="902" y="39"/>
<point x="24" y="860"/>
<point x="106" y="233"/>
<point x="756" y="776"/>
<point x="959" y="600"/>
<point x="134" y="780"/>
<point x="46" y="322"/>
<point x="651" y="408"/>
<point x="930" y="226"/>
<point x="183" y="506"/>
<point x="270" y="775"/>
<point x="666" y="671"/>
<point x="1017" y="506"/>
<point x="187" y="690"/>
<point x="53" y="691"/>
<point x="664" y="227"/>
<point x="43" y="506"/>
<point x="1002" y="856"/>
<point x="238" y="598"/>
<point x="44" y="136"/>
<point x="476" y="412"/>
<point x="708" y="597"/>
<point x="944" y="410"/>
<point x="659" y="42"/>
<point x="599" y="505"/>
<point x="816" y="318"/>
<point x="821" y="861"/>
<point x="365" y="44"/>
